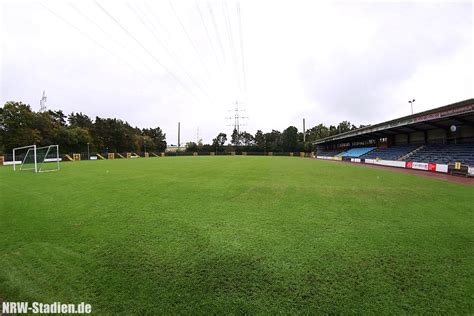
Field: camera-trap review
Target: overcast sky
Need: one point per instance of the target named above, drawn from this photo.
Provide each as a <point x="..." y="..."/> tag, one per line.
<point x="154" y="63"/>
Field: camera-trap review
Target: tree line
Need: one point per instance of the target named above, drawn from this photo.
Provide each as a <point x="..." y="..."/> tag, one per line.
<point x="289" y="140"/>
<point x="20" y="126"/>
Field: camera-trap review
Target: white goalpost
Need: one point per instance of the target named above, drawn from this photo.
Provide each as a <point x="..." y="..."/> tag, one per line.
<point x="18" y="154"/>
<point x="36" y="159"/>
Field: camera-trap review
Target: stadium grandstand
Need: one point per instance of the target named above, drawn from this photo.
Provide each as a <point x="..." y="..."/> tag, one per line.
<point x="440" y="140"/>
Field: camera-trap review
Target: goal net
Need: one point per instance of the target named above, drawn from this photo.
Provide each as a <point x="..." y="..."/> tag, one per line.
<point x="36" y="159"/>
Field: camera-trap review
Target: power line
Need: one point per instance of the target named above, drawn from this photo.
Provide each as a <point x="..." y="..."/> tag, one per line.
<point x="231" y="45"/>
<point x="168" y="51"/>
<point x="106" y="33"/>
<point x="175" y="56"/>
<point x="144" y="48"/>
<point x="219" y="41"/>
<point x="216" y="29"/>
<point x="189" y="37"/>
<point x="207" y="34"/>
<point x="91" y="39"/>
<point x="153" y="13"/>
<point x="242" y="47"/>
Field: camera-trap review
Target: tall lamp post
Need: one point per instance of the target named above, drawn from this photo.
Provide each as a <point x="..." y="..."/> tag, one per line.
<point x="411" y="103"/>
<point x="88" y="152"/>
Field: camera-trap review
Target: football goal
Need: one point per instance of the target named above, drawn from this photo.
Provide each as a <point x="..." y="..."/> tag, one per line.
<point x="36" y="159"/>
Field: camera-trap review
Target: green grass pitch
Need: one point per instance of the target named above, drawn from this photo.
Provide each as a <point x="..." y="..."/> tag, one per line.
<point x="236" y="235"/>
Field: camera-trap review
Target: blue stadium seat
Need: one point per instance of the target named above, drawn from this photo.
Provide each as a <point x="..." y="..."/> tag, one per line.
<point x="390" y="153"/>
<point x="445" y="154"/>
<point x="356" y="152"/>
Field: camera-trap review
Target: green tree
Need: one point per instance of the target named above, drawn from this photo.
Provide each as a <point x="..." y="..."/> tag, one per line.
<point x="289" y="139"/>
<point x="191" y="147"/>
<point x="58" y="117"/>
<point x="17" y="126"/>
<point x="50" y="125"/>
<point x="344" y="126"/>
<point x="235" y="138"/>
<point x="115" y="135"/>
<point x="80" y="120"/>
<point x="317" y="132"/>
<point x="260" y="140"/>
<point x="156" y="137"/>
<point x="246" y="139"/>
<point x="74" y="139"/>
<point x="20" y="126"/>
<point x="273" y="141"/>
<point x="219" y="141"/>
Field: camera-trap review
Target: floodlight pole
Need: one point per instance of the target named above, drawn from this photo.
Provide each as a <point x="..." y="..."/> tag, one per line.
<point x="179" y="135"/>
<point x="88" y="152"/>
<point x="411" y="103"/>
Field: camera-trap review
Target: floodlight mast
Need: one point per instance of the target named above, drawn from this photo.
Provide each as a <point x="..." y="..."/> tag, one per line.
<point x="411" y="103"/>
<point x="179" y="135"/>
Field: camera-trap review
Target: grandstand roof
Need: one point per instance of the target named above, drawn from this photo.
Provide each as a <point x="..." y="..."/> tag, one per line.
<point x="459" y="113"/>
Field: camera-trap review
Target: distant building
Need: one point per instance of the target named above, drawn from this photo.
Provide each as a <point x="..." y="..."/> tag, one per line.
<point x="175" y="148"/>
